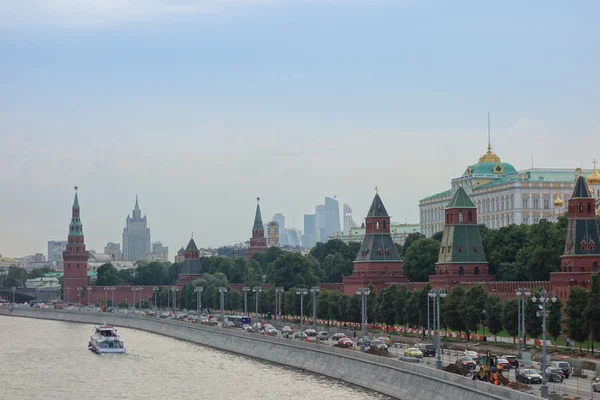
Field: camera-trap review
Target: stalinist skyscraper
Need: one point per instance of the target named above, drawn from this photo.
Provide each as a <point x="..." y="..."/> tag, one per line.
<point x="136" y="236"/>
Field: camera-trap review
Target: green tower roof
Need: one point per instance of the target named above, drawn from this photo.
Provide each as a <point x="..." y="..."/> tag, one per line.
<point x="258" y="224"/>
<point x="460" y="200"/>
<point x="581" y="189"/>
<point x="377" y="208"/>
<point x="191" y="246"/>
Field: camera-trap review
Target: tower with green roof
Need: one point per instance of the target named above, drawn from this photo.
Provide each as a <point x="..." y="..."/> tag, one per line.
<point x="461" y="257"/>
<point x="258" y="242"/>
<point x="192" y="268"/>
<point x="75" y="258"/>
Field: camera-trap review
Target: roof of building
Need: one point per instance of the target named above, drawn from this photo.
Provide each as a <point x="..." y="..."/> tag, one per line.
<point x="258" y="224"/>
<point x="461" y="244"/>
<point x="377" y="247"/>
<point x="395" y="229"/>
<point x="460" y="199"/>
<point x="377" y="208"/>
<point x="582" y="189"/>
<point x="191" y="246"/>
<point x="594" y="177"/>
<point x="490" y="168"/>
<point x="443" y="194"/>
<point x="191" y="267"/>
<point x="75" y="227"/>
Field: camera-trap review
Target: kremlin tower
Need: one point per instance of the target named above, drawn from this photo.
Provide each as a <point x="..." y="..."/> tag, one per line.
<point x="461" y="257"/>
<point x="378" y="261"/>
<point x="258" y="242"/>
<point x="75" y="258"/>
<point x="192" y="268"/>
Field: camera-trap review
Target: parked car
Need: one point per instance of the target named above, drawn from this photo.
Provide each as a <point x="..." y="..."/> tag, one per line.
<point x="379" y="345"/>
<point x="271" y="331"/>
<point x="596" y="385"/>
<point x="323" y="335"/>
<point x="428" y="350"/>
<point x="413" y="352"/>
<point x="503" y="364"/>
<point x="367" y="342"/>
<point x="555" y="374"/>
<point x="345" y="342"/>
<point x="565" y="366"/>
<point x="513" y="360"/>
<point x="310" y="333"/>
<point x="337" y="336"/>
<point x="466" y="362"/>
<point x="248" y="328"/>
<point x="473" y="354"/>
<point x="385" y="339"/>
<point x="528" y="376"/>
<point x="287" y="329"/>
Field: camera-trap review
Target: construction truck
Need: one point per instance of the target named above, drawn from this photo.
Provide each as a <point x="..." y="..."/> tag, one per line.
<point x="489" y="370"/>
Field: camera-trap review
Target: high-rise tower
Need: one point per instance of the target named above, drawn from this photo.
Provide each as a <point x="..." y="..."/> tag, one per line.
<point x="258" y="242"/>
<point x="461" y="257"/>
<point x="136" y="236"/>
<point x="75" y="257"/>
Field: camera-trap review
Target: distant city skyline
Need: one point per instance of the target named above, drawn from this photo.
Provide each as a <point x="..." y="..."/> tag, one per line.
<point x="200" y="109"/>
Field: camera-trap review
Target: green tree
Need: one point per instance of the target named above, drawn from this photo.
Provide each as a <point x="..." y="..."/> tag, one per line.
<point x="386" y="307"/>
<point x="411" y="309"/>
<point x="511" y="272"/>
<point x="541" y="254"/>
<point x="576" y="319"/>
<point x="554" y="321"/>
<point x="493" y="315"/>
<point x="472" y="308"/>
<point x="292" y="269"/>
<point x="107" y="275"/>
<point x="592" y="310"/>
<point x="233" y="300"/>
<point x="420" y="259"/>
<point x="502" y="246"/>
<point x="333" y="303"/>
<point x="453" y="308"/>
<point x="402" y="297"/>
<point x="510" y="317"/>
<point x="410" y="239"/>
<point x="323" y="304"/>
<point x="533" y="321"/>
<point x="335" y="266"/>
<point x="423" y="295"/>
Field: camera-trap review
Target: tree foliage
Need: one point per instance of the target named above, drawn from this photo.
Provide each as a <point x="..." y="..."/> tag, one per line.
<point x="420" y="259"/>
<point x="577" y="325"/>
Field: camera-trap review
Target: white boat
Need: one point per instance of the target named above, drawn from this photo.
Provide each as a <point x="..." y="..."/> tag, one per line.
<point x="106" y="340"/>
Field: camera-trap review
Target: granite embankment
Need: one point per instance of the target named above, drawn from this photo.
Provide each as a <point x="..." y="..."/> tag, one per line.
<point x="389" y="376"/>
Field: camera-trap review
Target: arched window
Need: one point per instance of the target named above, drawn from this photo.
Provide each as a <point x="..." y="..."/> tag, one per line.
<point x="476" y="271"/>
<point x="580" y="207"/>
<point x="460" y="216"/>
<point x="470" y="216"/>
<point x="384" y="224"/>
<point x="461" y="271"/>
<point x="377" y="225"/>
<point x="589" y="208"/>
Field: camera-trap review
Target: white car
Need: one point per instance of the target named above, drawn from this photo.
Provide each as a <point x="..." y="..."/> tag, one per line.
<point x="596" y="385"/>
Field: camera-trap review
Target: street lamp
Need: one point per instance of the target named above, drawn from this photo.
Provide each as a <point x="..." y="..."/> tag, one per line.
<point x="133" y="289"/>
<point x="37" y="291"/>
<point x="246" y="289"/>
<point x="363" y="292"/>
<point x="314" y="290"/>
<point x="302" y="292"/>
<point x="222" y="291"/>
<point x="112" y="296"/>
<point x="14" y="289"/>
<point x="89" y="289"/>
<point x="68" y="295"/>
<point x="174" y="298"/>
<point x="278" y="292"/>
<point x="544" y="298"/>
<point x="257" y="290"/>
<point x="106" y="289"/>
<point x="198" y="291"/>
<point x="79" y="289"/>
<point x="436" y="295"/>
<point x="155" y="290"/>
<point x="521" y="294"/>
<point x="428" y="328"/>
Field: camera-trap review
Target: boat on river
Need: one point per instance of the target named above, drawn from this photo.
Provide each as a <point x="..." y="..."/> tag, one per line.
<point x="106" y="340"/>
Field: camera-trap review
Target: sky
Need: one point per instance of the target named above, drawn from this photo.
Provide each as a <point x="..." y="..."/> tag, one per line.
<point x="200" y="106"/>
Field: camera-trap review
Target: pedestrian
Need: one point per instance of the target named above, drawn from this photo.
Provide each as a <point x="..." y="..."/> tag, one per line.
<point x="354" y="335"/>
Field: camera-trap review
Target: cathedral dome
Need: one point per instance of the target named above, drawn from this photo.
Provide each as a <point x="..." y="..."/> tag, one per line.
<point x="490" y="164"/>
<point x="593" y="178"/>
<point x="558" y="202"/>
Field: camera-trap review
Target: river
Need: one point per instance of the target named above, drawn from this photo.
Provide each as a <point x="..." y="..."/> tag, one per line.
<point x="42" y="359"/>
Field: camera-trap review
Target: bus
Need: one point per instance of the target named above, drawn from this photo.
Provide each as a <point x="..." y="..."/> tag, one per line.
<point x="239" y="320"/>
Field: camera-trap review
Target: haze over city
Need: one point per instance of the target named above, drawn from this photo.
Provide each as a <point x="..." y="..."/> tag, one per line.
<point x="199" y="109"/>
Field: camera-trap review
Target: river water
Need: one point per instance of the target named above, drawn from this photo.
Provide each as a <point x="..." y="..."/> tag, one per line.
<point x="49" y="360"/>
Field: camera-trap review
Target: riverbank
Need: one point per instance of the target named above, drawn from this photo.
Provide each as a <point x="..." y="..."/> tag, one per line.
<point x="387" y="376"/>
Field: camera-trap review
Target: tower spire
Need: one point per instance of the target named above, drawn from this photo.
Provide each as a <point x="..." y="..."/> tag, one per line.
<point x="489" y="133"/>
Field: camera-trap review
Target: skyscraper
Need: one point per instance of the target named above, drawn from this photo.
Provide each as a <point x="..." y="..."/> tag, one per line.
<point x="348" y="221"/>
<point x="136" y="236"/>
<point x="332" y="217"/>
<point x="309" y="239"/>
<point x="55" y="252"/>
<point x="273" y="234"/>
<point x="320" y="223"/>
<point x="280" y="219"/>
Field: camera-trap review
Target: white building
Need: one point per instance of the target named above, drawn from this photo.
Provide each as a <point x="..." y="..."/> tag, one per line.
<point x="505" y="196"/>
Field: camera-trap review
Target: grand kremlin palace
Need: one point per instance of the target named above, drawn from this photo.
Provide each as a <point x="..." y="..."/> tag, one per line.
<point x="505" y="196"/>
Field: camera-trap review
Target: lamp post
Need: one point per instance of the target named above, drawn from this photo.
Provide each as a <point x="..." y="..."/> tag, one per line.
<point x="544" y="298"/>
<point x="68" y="295"/>
<point x="314" y="290"/>
<point x="37" y="291"/>
<point x="302" y="292"/>
<point x="483" y="323"/>
<point x="155" y="292"/>
<point x="521" y="294"/>
<point x="198" y="291"/>
<point x="112" y="296"/>
<point x="133" y="290"/>
<point x="279" y="291"/>
<point x="436" y="295"/>
<point x="79" y="289"/>
<point x="428" y="329"/>
<point x="174" y="298"/>
<point x="222" y="291"/>
<point x="246" y="289"/>
<point x="363" y="292"/>
<point x="106" y="289"/>
<point x="14" y="289"/>
<point x="257" y="290"/>
<point x="89" y="289"/>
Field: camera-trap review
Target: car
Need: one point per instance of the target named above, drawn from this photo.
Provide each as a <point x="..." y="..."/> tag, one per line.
<point x="385" y="339"/>
<point x="596" y="384"/>
<point x="310" y="333"/>
<point x="428" y="350"/>
<point x="379" y="345"/>
<point x="513" y="360"/>
<point x="271" y="331"/>
<point x="503" y="364"/>
<point x="248" y="328"/>
<point x="228" y="324"/>
<point x="528" y="376"/>
<point x="366" y="341"/>
<point x="473" y="354"/>
<point x="466" y="362"/>
<point x="337" y="336"/>
<point x="413" y="352"/>
<point x="287" y="329"/>
<point x="555" y="374"/>
<point x="323" y="335"/>
<point x="565" y="366"/>
<point x="345" y="342"/>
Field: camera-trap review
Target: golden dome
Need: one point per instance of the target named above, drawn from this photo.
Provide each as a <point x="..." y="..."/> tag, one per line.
<point x="489" y="156"/>
<point x="593" y="178"/>
<point x="558" y="202"/>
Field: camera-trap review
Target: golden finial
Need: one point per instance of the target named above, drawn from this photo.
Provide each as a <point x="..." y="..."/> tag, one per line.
<point x="594" y="177"/>
<point x="460" y="183"/>
<point x="376" y="190"/>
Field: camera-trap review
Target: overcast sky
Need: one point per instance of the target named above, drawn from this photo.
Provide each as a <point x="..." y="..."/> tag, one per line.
<point x="199" y="106"/>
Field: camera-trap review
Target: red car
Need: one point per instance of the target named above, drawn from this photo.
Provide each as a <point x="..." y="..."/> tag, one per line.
<point x="466" y="363"/>
<point x="345" y="342"/>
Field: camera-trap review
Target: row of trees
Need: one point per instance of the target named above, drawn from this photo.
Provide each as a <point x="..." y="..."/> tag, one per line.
<point x="17" y="276"/>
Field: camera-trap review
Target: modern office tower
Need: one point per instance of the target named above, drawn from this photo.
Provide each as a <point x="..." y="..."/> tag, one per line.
<point x="348" y="221"/>
<point x="309" y="239"/>
<point x="332" y="217"/>
<point x="280" y="219"/>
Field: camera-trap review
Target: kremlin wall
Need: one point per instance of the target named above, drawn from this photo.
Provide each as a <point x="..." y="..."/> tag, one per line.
<point x="461" y="259"/>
